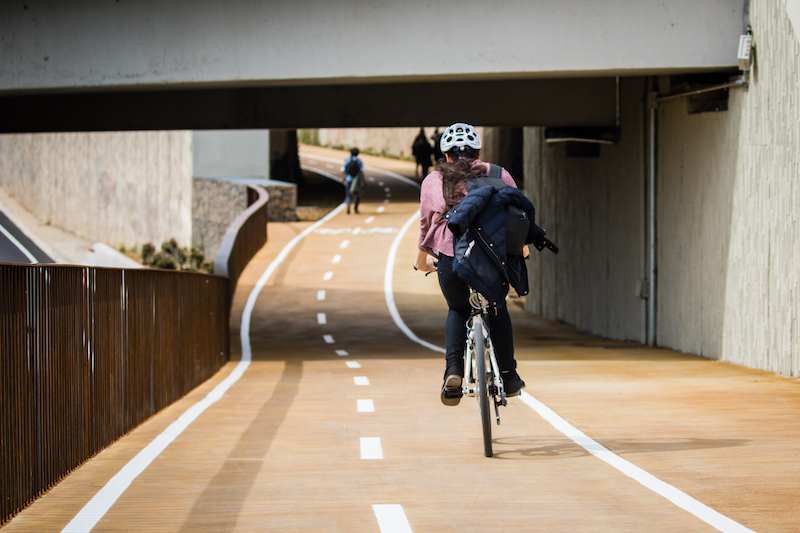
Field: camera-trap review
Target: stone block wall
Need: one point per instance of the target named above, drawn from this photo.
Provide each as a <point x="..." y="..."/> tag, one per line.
<point x="215" y="204"/>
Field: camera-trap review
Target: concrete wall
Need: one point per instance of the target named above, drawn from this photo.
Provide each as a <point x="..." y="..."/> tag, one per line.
<point x="395" y="142"/>
<point x="240" y="153"/>
<point x="728" y="218"/>
<point x="149" y="43"/>
<point x="729" y="213"/>
<point x="593" y="209"/>
<point x="121" y="188"/>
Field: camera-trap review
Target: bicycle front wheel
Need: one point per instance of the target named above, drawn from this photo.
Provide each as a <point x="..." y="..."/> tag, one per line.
<point x="482" y="386"/>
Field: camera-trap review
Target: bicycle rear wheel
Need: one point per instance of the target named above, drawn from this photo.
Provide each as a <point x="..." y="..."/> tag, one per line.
<point x="482" y="386"/>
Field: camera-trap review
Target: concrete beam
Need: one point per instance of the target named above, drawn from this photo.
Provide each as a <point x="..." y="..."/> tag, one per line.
<point x="565" y="102"/>
<point x="84" y="45"/>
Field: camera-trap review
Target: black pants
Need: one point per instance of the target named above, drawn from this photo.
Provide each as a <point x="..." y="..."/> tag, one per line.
<point x="456" y="292"/>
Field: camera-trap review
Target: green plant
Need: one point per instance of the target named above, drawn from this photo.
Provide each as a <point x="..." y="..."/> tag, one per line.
<point x="174" y="257"/>
<point x="308" y="137"/>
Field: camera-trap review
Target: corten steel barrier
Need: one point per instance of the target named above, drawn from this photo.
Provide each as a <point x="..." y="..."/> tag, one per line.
<point x="87" y="354"/>
<point x="245" y="236"/>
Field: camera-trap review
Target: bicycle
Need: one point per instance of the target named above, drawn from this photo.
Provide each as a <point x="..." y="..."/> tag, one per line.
<point x="481" y="381"/>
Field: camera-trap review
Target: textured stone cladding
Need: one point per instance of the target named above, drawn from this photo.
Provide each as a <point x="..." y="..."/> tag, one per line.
<point x="120" y="187"/>
<point x="282" y="204"/>
<point x="593" y="209"/>
<point x="729" y="213"/>
<point x="215" y="204"/>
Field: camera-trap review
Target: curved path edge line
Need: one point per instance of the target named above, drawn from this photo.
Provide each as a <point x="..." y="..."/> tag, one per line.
<point x="99" y="505"/>
<point x="19" y="245"/>
<point x="366" y="167"/>
<point x="674" y="495"/>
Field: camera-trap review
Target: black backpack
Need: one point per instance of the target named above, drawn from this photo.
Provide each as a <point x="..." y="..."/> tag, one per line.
<point x="517" y="223"/>
<point x="352" y="168"/>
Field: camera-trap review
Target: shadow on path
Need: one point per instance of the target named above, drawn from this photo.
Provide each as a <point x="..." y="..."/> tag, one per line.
<point x="218" y="508"/>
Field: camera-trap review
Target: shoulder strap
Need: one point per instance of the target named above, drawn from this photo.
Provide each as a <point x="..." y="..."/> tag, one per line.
<point x="495" y="171"/>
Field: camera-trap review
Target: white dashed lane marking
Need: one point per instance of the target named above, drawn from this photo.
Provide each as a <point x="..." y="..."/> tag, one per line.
<point x="380" y="184"/>
<point x="371" y="448"/>
<point x="386" y="201"/>
<point x="344" y="244"/>
<point x="369" y="220"/>
<point x="387" y="189"/>
<point x="328" y="339"/>
<point x="353" y="364"/>
<point x="336" y="258"/>
<point x="320" y="295"/>
<point x="391" y="518"/>
<point x="342" y="353"/>
<point x="365" y="406"/>
<point x="328" y="275"/>
<point x="321" y="318"/>
<point x="360" y="380"/>
<point x="381" y="209"/>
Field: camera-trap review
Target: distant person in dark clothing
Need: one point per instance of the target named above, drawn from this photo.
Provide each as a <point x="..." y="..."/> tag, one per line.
<point x="351" y="169"/>
<point x="437" y="151"/>
<point x="422" y="151"/>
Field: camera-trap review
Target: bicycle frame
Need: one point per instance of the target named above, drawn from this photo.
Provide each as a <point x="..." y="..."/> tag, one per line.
<point x="480" y="309"/>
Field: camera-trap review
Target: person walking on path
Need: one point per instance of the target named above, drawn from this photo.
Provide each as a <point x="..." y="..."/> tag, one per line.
<point x="357" y="186"/>
<point x="441" y="190"/>
<point x="422" y="151"/>
<point x="351" y="168"/>
<point x="436" y="138"/>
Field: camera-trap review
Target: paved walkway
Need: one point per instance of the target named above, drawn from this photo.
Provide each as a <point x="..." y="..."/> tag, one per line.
<point x="284" y="449"/>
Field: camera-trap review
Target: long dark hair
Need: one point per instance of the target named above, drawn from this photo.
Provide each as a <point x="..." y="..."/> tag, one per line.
<point x="458" y="172"/>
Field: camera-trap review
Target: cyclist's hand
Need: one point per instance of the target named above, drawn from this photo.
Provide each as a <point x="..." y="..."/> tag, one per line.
<point x="425" y="262"/>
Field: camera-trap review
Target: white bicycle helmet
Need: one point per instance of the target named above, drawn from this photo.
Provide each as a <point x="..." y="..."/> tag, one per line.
<point x="460" y="135"/>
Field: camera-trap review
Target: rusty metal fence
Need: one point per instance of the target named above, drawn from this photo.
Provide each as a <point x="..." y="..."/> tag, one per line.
<point x="245" y="236"/>
<point x="87" y="354"/>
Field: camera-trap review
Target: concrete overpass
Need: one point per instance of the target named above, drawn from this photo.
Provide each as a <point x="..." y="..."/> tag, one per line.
<point x="90" y="65"/>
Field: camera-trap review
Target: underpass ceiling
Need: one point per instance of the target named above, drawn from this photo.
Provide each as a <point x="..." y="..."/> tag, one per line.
<point x="564" y="102"/>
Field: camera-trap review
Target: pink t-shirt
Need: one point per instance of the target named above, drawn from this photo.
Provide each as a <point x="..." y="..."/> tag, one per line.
<point x="434" y="236"/>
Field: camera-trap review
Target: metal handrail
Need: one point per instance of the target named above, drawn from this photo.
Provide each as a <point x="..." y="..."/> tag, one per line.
<point x="87" y="354"/>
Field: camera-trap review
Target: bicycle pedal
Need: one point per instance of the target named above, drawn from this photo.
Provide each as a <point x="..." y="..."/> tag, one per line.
<point x="453" y="393"/>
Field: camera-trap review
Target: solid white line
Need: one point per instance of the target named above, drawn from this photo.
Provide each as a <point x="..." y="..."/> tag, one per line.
<point x="371" y="448"/>
<point x="391" y="518"/>
<point x="327" y="276"/>
<point x="328" y="339"/>
<point x="388" y="292"/>
<point x="322" y="318"/>
<point x="369" y="220"/>
<point x="352" y="364"/>
<point x="336" y="258"/>
<point x="381" y="209"/>
<point x="365" y="406"/>
<point x="679" y="498"/>
<point x="320" y="295"/>
<point x="321" y="173"/>
<point x="344" y="244"/>
<point x="19" y="245"/>
<point x="97" y="507"/>
<point x="342" y="353"/>
<point x="361" y="380"/>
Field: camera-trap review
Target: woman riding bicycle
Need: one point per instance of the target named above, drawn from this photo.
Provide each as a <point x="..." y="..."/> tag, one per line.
<point x="441" y="190"/>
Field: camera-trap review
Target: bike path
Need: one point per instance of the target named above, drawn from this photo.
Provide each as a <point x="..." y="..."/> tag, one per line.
<point x="282" y="449"/>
